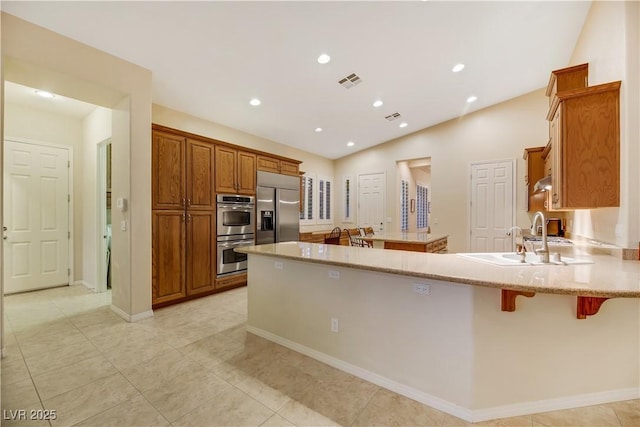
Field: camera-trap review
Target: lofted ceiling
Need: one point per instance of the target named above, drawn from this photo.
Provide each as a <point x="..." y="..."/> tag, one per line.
<point x="209" y="59"/>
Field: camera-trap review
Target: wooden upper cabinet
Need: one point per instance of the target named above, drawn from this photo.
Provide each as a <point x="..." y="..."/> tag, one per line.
<point x="274" y="165"/>
<point x="246" y="173"/>
<point x="585" y="147"/>
<point x="168" y="171"/>
<point x="535" y="171"/>
<point x="235" y="171"/>
<point x="268" y="164"/>
<point x="569" y="78"/>
<point x="200" y="162"/>
<point x="225" y="169"/>
<point x="288" y="168"/>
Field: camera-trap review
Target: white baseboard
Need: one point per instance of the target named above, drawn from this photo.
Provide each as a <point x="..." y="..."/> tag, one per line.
<point x="556" y="404"/>
<point x="470" y="415"/>
<point x="132" y="318"/>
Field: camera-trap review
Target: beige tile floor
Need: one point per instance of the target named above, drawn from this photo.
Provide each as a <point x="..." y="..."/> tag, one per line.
<point x="193" y="364"/>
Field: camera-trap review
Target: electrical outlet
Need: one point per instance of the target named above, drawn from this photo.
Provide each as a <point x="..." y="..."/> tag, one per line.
<point x="422" y="288"/>
<point x="278" y="265"/>
<point x="335" y="325"/>
<point x="334" y="274"/>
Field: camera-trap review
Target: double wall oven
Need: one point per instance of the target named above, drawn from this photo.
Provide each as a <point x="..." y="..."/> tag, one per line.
<point x="235" y="228"/>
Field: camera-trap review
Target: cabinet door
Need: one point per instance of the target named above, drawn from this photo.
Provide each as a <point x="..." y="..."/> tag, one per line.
<point x="246" y="173"/>
<point x="288" y="168"/>
<point x="226" y="160"/>
<point x="200" y="190"/>
<point x="268" y="164"/>
<point x="168" y="256"/>
<point x="201" y="252"/>
<point x="556" y="162"/>
<point x="167" y="171"/>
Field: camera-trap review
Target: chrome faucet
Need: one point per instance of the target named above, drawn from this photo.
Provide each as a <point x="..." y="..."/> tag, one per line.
<point x="544" y="251"/>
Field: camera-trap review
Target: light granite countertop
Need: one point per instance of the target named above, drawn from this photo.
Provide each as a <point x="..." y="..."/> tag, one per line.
<point x="405" y="237"/>
<point x="608" y="276"/>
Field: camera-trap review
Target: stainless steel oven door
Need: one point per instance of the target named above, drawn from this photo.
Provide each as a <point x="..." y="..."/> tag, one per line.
<point x="235" y="219"/>
<point x="230" y="261"/>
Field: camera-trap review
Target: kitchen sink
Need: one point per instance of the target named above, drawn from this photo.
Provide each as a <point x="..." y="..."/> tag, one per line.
<point x="512" y="259"/>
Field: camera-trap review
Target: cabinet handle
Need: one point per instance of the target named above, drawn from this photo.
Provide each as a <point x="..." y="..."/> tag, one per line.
<point x="188" y="202"/>
<point x="184" y="217"/>
<point x="182" y="202"/>
<point x="555" y="198"/>
<point x="188" y="217"/>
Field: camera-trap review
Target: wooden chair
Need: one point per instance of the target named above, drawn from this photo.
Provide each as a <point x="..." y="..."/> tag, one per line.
<point x="356" y="240"/>
<point x="333" y="238"/>
<point x="367" y="231"/>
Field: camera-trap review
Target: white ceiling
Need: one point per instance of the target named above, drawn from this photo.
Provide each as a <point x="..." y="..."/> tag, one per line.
<point x="210" y="58"/>
<point x="27" y="96"/>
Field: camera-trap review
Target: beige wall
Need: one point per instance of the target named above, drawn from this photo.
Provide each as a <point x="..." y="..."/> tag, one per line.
<point x="37" y="57"/>
<point x="610" y="43"/>
<point x="494" y="133"/>
<point x="48" y="127"/>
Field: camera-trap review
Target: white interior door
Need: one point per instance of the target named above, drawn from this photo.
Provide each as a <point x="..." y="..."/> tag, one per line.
<point x="371" y="192"/>
<point x="492" y="206"/>
<point x="36" y="214"/>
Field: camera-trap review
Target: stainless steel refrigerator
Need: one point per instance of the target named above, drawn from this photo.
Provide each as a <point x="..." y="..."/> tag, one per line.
<point x="277" y="208"/>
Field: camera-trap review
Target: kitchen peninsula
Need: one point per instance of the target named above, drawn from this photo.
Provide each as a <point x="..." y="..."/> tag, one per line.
<point x="431" y="327"/>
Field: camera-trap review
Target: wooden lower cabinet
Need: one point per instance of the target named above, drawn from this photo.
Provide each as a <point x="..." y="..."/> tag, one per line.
<point x="201" y="252"/>
<point x="168" y="256"/>
<point x="436" y="246"/>
<point x="183" y="255"/>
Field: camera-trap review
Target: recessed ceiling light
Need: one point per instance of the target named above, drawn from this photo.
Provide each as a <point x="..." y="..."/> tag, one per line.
<point x="403" y="125"/>
<point x="255" y="102"/>
<point x="318" y="129"/>
<point x="472" y="98"/>
<point x="377" y="103"/>
<point x="324" y="58"/>
<point x="350" y="144"/>
<point x="45" y="94"/>
<point x="457" y="68"/>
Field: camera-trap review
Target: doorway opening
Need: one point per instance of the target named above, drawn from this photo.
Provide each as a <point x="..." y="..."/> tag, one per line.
<point x="103" y="202"/>
<point x="414" y="205"/>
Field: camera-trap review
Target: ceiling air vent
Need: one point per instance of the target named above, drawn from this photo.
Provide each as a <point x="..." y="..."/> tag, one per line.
<point x="350" y="81"/>
<point x="392" y="117"/>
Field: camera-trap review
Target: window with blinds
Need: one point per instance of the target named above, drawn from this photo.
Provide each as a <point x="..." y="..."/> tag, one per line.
<point x="306" y="214"/>
<point x="404" y="205"/>
<point x="422" y="200"/>
<point x="324" y="200"/>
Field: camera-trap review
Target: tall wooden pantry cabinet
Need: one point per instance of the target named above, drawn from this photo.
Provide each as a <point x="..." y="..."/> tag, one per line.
<point x="183" y="216"/>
